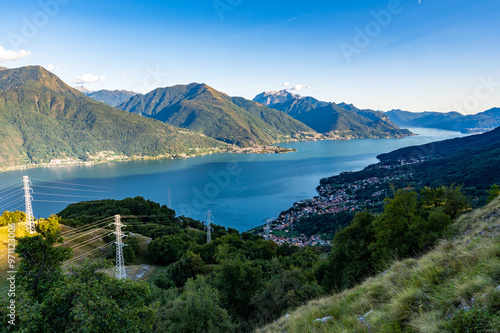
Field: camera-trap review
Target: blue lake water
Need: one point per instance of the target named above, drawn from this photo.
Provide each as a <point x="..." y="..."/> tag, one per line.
<point x="240" y="190"/>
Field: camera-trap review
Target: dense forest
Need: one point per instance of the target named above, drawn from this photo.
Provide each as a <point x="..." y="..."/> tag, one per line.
<point x="236" y="282"/>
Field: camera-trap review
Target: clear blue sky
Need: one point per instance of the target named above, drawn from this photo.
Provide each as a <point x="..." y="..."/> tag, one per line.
<point x="433" y="55"/>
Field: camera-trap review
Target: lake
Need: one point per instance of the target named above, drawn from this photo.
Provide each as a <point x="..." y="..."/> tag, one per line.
<point x="240" y="190"/>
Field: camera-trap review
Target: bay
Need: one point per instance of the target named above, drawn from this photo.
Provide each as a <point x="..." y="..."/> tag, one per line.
<point x="240" y="190"/>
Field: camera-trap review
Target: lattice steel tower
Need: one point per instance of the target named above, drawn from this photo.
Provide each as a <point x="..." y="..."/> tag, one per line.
<point x="209" y="226"/>
<point x="267" y="228"/>
<point x="120" y="263"/>
<point x="30" y="220"/>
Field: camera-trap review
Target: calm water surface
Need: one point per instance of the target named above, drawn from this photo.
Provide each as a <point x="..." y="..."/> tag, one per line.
<point x="239" y="190"/>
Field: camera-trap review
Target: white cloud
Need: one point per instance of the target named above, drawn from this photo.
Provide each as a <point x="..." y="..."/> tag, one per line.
<point x="308" y="87"/>
<point x="298" y="87"/>
<point x="51" y="67"/>
<point x="286" y="84"/>
<point x="9" y="55"/>
<point x="89" y="78"/>
<point x="123" y="74"/>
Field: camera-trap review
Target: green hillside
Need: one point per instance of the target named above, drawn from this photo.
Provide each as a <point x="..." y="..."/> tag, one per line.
<point x="44" y="119"/>
<point x="111" y="97"/>
<point x="338" y="121"/>
<point x="453" y="288"/>
<point x="203" y="109"/>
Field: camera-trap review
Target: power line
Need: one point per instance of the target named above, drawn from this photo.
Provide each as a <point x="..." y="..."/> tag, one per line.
<point x="15" y="208"/>
<point x="67" y="195"/>
<point x="70" y="189"/>
<point x="12" y="195"/>
<point x="10" y="189"/>
<point x="86" y="253"/>
<point x="84" y="234"/>
<point x="69" y="202"/>
<point x="66" y="183"/>
<point x="105" y="254"/>
<point x="11" y="182"/>
<point x="11" y="203"/>
<point x="85" y="226"/>
<point x="72" y="260"/>
<point x="87" y="242"/>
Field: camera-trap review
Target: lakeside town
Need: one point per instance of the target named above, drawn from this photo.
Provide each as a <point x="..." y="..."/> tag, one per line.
<point x="335" y="197"/>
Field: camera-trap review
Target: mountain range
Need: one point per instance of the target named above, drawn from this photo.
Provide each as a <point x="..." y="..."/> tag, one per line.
<point x="111" y="97"/>
<point x="43" y="119"/>
<point x="453" y="121"/>
<point x="331" y="119"/>
<point x="203" y="109"/>
<point x="298" y="107"/>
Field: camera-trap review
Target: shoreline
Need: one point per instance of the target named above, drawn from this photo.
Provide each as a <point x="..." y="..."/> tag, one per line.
<point x="112" y="157"/>
<point x="69" y="162"/>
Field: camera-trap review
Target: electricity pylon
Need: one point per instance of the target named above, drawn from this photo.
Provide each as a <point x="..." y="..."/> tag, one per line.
<point x="267" y="228"/>
<point x="121" y="273"/>
<point x="209" y="226"/>
<point x="30" y="221"/>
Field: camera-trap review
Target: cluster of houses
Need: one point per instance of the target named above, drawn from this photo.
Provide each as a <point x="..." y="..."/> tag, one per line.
<point x="332" y="199"/>
<point x="301" y="241"/>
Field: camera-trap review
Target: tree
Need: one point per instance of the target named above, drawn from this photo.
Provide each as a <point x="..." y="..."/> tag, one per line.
<point x="396" y="231"/>
<point x="168" y="249"/>
<point x="50" y="225"/>
<point x="189" y="266"/>
<point x="289" y="289"/>
<point x="198" y="309"/>
<point x="351" y="258"/>
<point x="87" y="301"/>
<point x="450" y="199"/>
<point x="12" y="217"/>
<point x="237" y="280"/>
<point x="40" y="266"/>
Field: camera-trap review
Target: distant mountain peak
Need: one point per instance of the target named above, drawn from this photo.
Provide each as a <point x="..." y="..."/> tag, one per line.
<point x="349" y="107"/>
<point x="110" y="97"/>
<point x="275" y="97"/>
<point x="83" y="90"/>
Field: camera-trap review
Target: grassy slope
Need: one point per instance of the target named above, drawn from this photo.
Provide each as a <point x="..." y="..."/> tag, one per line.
<point x="4" y="241"/>
<point x="416" y="295"/>
<point x="42" y="118"/>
